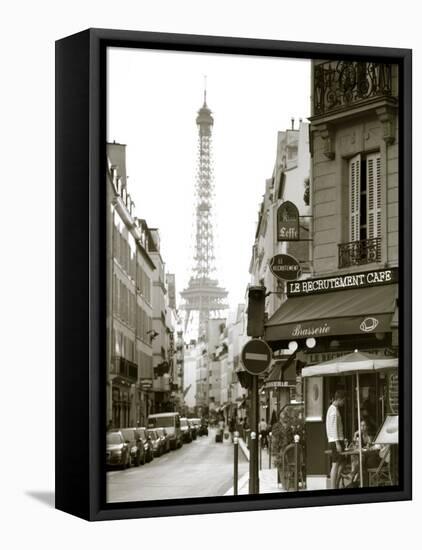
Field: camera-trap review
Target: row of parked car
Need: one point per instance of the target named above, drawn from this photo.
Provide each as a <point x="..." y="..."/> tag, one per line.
<point x="166" y="431"/>
<point x="192" y="428"/>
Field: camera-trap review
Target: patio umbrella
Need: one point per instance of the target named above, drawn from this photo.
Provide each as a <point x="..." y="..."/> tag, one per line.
<point x="352" y="363"/>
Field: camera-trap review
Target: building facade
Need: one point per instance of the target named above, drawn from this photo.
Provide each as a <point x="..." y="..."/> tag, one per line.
<point x="350" y="301"/>
<point x="289" y="182"/>
<point x="129" y="301"/>
<point x="289" y="185"/>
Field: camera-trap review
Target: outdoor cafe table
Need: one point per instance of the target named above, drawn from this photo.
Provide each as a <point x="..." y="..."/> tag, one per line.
<point x="355" y="451"/>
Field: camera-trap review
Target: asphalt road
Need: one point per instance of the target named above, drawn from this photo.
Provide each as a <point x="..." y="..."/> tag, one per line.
<point x="199" y="469"/>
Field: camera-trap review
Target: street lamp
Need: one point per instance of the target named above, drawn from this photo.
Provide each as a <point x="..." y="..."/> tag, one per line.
<point x="310" y="343"/>
<point x="293" y="345"/>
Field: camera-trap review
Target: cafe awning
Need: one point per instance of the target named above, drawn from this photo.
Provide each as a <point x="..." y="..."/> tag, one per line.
<point x="282" y="373"/>
<point x="353" y="311"/>
<point x="351" y="363"/>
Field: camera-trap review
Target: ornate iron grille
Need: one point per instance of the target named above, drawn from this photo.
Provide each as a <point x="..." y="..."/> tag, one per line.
<point x="340" y="84"/>
<point x="124" y="368"/>
<point x="359" y="252"/>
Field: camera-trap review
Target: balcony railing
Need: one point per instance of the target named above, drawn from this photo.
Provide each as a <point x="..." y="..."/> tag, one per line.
<point x="359" y="252"/>
<point x="124" y="368"/>
<point x="339" y="84"/>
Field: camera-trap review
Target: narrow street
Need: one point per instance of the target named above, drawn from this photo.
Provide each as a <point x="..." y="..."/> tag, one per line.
<point x="199" y="469"/>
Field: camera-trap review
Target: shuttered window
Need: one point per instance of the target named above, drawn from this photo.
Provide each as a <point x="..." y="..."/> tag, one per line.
<point x="354" y="186"/>
<point x="373" y="186"/>
<point x="365" y="197"/>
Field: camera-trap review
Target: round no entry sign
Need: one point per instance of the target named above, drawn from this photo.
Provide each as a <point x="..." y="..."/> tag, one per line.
<point x="256" y="356"/>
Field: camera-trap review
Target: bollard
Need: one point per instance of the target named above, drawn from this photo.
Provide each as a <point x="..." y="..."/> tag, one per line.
<point x="260" y="451"/>
<point x="235" y="463"/>
<point x="253" y="465"/>
<point x="270" y="443"/>
<point x="296" y="478"/>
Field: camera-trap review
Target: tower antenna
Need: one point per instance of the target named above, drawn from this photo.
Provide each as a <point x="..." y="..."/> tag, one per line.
<point x="205" y="89"/>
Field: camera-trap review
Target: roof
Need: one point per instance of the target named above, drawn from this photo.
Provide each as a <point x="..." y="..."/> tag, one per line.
<point x="353" y="311"/>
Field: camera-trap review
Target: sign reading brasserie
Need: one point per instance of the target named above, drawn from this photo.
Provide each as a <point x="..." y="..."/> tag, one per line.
<point x="342" y="282"/>
<point x="287" y="222"/>
<point x="285" y="267"/>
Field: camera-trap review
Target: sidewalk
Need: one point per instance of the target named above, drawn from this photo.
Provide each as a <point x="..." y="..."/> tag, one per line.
<point x="267" y="476"/>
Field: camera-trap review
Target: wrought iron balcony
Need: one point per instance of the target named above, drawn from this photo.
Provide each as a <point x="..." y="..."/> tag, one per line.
<point x="339" y="84"/>
<point x="124" y="368"/>
<point x="359" y="252"/>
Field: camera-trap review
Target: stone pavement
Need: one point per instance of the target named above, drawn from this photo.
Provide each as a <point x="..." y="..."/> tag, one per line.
<point x="267" y="476"/>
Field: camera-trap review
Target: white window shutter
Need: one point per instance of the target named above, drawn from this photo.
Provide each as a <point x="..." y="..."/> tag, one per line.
<point x="354" y="186"/>
<point x="373" y="183"/>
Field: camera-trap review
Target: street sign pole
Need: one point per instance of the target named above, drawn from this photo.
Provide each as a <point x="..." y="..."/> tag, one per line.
<point x="253" y="446"/>
<point x="256" y="358"/>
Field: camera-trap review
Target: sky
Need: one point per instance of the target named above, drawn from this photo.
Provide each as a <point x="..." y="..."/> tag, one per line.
<point x="152" y="102"/>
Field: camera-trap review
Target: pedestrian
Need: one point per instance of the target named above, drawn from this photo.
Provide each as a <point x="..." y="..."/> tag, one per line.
<point x="263" y="430"/>
<point x="232" y="426"/>
<point x="335" y="436"/>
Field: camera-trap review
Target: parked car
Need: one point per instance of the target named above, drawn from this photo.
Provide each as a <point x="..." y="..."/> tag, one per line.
<point x="165" y="440"/>
<point x="171" y="422"/>
<point x="147" y="443"/>
<point x="196" y="425"/>
<point x="156" y="442"/>
<point x="186" y="430"/>
<point x="136" y="449"/>
<point x="117" y="451"/>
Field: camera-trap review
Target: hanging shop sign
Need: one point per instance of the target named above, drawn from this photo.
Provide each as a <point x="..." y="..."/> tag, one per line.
<point x="287" y="222"/>
<point x="285" y="267"/>
<point x="342" y="282"/>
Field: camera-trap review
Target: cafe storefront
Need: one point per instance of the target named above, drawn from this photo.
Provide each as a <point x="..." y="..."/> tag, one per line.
<point x="329" y="318"/>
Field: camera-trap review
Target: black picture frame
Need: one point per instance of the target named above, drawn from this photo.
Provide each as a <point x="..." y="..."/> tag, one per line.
<point x="80" y="278"/>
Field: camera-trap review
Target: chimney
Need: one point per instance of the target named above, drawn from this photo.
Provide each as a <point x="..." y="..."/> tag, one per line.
<point x="293" y="123"/>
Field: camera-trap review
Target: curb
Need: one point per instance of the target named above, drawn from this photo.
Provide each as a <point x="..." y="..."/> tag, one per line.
<point x="244" y="448"/>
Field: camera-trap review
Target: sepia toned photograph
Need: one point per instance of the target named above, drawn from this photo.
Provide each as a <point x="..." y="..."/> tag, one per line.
<point x="252" y="274"/>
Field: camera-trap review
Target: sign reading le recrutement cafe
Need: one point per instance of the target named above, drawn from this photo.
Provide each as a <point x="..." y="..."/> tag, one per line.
<point x="342" y="282"/>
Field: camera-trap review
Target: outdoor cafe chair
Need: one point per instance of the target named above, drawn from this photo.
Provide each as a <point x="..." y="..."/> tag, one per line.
<point x="381" y="475"/>
<point x="289" y="466"/>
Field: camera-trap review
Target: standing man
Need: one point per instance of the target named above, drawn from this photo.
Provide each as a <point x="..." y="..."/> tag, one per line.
<point x="263" y="428"/>
<point x="335" y="436"/>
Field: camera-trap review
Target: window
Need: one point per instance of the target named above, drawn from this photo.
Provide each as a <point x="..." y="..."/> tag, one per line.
<point x="365" y="197"/>
<point x="364" y="246"/>
<point x="281" y="185"/>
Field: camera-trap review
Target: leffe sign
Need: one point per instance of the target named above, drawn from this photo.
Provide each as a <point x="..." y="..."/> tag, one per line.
<point x="287" y="222"/>
<point x="342" y="282"/>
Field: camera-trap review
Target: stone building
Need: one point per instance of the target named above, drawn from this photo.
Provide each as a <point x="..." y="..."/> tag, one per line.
<point x="350" y="302"/>
<point x="129" y="305"/>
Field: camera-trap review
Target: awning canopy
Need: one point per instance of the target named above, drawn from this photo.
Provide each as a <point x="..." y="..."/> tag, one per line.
<point x="355" y="311"/>
<point x="351" y="363"/>
<point x="282" y="372"/>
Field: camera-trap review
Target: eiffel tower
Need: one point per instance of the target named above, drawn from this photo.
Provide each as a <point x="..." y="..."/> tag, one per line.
<point x="203" y="294"/>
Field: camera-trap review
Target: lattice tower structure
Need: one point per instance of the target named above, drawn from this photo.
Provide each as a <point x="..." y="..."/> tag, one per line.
<point x="204" y="296"/>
